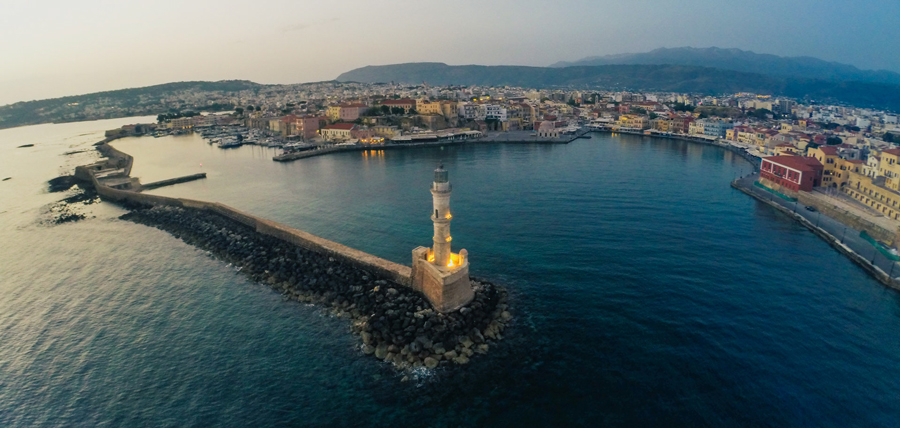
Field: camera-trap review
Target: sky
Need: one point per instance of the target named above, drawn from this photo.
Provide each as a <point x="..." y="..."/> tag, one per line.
<point x="58" y="48"/>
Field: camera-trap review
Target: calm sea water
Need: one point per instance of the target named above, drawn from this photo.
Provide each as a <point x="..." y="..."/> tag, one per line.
<point x="647" y="293"/>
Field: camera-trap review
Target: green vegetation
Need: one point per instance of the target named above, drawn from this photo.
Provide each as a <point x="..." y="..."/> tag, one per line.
<point x="833" y="141"/>
<point x="121" y="103"/>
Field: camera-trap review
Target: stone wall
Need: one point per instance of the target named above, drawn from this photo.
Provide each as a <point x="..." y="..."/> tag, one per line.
<point x="777" y="187"/>
<point x="848" y="218"/>
<point x="394" y="271"/>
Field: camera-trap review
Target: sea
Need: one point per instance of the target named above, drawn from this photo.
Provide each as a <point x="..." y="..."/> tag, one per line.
<point x="645" y="292"/>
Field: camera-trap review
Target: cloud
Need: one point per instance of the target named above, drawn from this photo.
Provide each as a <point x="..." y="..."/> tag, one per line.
<point x="302" y="26"/>
<point x="295" y="27"/>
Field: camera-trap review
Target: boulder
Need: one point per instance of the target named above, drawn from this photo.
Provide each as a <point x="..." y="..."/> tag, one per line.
<point x="381" y="351"/>
<point x="466" y="341"/>
<point x="368" y="349"/>
<point x="431" y="363"/>
<point x="462" y="359"/>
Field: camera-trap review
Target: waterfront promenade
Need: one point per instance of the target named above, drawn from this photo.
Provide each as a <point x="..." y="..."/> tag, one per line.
<point x="843" y="238"/>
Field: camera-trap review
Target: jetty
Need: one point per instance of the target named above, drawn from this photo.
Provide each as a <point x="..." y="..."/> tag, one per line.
<point x="403" y="315"/>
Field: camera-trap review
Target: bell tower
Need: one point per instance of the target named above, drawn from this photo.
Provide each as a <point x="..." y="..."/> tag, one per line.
<point x="441" y="275"/>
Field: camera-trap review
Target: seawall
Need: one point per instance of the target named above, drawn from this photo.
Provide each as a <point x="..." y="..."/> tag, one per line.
<point x="876" y="272"/>
<point x="396" y="272"/>
<point x="395" y="322"/>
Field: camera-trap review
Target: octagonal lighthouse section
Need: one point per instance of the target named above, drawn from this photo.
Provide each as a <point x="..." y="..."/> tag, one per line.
<point x="441" y="275"/>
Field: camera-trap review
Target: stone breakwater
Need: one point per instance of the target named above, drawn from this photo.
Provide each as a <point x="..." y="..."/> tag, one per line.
<point x="396" y="324"/>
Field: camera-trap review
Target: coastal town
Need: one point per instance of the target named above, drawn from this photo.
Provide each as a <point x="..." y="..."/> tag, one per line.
<point x="838" y="160"/>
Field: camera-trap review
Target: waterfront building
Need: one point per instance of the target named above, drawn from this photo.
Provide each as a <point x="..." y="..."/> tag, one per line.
<point x="716" y="127"/>
<point x="827" y="156"/>
<point x="441" y="275"/>
<point x="872" y="192"/>
<point x="842" y="170"/>
<point x="547" y="129"/>
<point x="792" y="173"/>
<point x="889" y="167"/>
<point x="338" y="132"/>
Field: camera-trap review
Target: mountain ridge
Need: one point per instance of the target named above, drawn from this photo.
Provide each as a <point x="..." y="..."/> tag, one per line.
<point x="663" y="78"/>
<point x="743" y="61"/>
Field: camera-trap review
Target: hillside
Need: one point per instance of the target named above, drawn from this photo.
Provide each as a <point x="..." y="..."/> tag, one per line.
<point x="149" y="100"/>
<point x="665" y="78"/>
<point x="744" y="61"/>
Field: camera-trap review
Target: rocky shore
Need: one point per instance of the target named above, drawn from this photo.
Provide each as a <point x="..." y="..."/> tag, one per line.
<point x="395" y="324"/>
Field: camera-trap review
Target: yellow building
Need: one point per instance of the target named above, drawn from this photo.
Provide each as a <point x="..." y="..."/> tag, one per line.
<point x="786" y="149"/>
<point x="449" y="109"/>
<point x="827" y="155"/>
<point x="890" y="168"/>
<point x="881" y="199"/>
<point x="843" y="168"/>
<point x="786" y="127"/>
<point x="427" y="107"/>
<point x="333" y="113"/>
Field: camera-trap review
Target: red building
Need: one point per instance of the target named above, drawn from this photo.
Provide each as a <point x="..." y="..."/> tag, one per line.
<point x="793" y="172"/>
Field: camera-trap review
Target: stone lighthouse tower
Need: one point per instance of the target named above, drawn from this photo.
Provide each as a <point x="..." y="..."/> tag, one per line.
<point x="442" y="276"/>
<point x="440" y="193"/>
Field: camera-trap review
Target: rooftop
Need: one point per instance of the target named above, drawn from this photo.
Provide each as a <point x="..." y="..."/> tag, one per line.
<point x="801" y="163"/>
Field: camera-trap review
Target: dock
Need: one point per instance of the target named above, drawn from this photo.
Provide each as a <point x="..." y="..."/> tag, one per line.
<point x="171" y="181"/>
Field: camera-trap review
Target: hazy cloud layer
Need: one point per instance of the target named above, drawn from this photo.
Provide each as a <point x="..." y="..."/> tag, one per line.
<point x="55" y="48"/>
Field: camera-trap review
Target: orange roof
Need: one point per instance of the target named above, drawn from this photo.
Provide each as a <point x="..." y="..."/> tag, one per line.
<point x="829" y="150"/>
<point x="895" y="152"/>
<point x="796" y="162"/>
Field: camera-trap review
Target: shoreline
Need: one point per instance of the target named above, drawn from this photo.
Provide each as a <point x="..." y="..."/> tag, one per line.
<point x="288" y="157"/>
<point x="874" y="271"/>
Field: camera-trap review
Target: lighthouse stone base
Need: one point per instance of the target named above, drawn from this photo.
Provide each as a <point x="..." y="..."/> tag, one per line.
<point x="448" y="289"/>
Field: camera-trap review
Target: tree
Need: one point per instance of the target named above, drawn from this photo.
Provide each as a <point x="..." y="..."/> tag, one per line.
<point x="385" y="109"/>
<point x="833" y="141"/>
<point x="653" y="115"/>
<point x="397" y="110"/>
<point x="412" y="110"/>
<point x="238" y="111"/>
<point x="888" y="137"/>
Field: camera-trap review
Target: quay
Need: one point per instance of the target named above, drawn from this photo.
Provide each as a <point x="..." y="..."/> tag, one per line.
<point x="512" y="137"/>
<point x="842" y="237"/>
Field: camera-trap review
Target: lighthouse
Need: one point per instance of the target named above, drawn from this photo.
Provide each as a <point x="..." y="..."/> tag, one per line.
<point x="441" y="275"/>
<point x="440" y="195"/>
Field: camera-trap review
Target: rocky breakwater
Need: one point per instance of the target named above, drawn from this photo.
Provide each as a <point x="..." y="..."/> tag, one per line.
<point x="396" y="324"/>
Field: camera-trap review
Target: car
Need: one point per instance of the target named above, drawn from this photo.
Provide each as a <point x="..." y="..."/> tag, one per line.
<point x="811" y="208"/>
